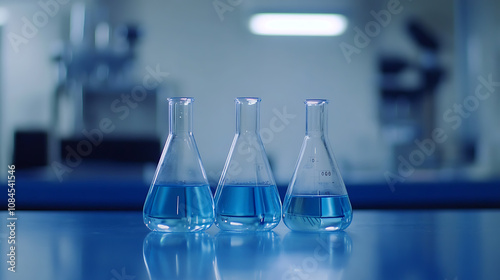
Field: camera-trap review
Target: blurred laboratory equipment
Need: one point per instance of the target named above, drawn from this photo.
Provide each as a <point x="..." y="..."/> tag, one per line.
<point x="316" y="199"/>
<point x="30" y="149"/>
<point x="179" y="256"/>
<point x="247" y="197"/>
<point x="99" y="106"/>
<point x="408" y="97"/>
<point x="179" y="199"/>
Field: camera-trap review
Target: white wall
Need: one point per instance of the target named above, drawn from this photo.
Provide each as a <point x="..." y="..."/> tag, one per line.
<point x="484" y="53"/>
<point x="28" y="74"/>
<point x="3" y="148"/>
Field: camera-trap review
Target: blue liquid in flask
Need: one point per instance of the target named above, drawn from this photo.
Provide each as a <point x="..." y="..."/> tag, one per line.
<point x="318" y="212"/>
<point x="244" y="207"/>
<point x="174" y="208"/>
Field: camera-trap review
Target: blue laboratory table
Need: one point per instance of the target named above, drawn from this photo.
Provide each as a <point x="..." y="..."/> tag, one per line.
<point x="416" y="244"/>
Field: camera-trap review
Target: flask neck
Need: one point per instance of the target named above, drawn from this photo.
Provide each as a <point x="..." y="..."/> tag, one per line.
<point x="247" y="114"/>
<point x="180" y="115"/>
<point x="316" y="117"/>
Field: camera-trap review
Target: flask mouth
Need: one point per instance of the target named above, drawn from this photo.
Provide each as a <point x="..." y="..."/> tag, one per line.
<point x="316" y="117"/>
<point x="185" y="100"/>
<point x="180" y="115"/>
<point x="247" y="100"/>
<point x="247" y="114"/>
<point x="315" y="102"/>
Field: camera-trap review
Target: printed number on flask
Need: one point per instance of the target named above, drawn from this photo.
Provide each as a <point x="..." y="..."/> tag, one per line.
<point x="326" y="177"/>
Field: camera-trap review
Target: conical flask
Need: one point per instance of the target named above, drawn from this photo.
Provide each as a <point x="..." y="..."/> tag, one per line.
<point x="316" y="199"/>
<point x="179" y="199"/>
<point x="247" y="197"/>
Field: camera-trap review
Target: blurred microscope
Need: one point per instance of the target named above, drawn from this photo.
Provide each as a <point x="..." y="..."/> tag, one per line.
<point x="100" y="111"/>
<point x="408" y="100"/>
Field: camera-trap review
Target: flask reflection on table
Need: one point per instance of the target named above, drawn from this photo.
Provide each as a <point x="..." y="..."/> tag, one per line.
<point x="323" y="255"/>
<point x="179" y="256"/>
<point x="247" y="255"/>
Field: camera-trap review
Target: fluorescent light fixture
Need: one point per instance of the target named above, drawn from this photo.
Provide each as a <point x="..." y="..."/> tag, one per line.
<point x="298" y="24"/>
<point x="4" y="15"/>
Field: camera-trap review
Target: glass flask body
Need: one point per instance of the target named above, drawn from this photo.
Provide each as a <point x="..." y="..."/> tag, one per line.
<point x="316" y="199"/>
<point x="247" y="197"/>
<point x="179" y="199"/>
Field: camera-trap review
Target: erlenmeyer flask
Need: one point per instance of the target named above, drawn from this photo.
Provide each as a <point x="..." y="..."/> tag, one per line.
<point x="247" y="197"/>
<point x="316" y="199"/>
<point x="179" y="199"/>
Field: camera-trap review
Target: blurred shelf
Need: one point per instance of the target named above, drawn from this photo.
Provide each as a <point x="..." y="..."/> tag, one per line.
<point x="125" y="188"/>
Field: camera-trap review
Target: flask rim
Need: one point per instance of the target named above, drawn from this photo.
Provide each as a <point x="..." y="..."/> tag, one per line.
<point x="247" y="100"/>
<point x="316" y="102"/>
<point x="185" y="100"/>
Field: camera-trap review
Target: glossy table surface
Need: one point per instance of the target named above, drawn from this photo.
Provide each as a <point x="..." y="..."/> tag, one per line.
<point x="404" y="244"/>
